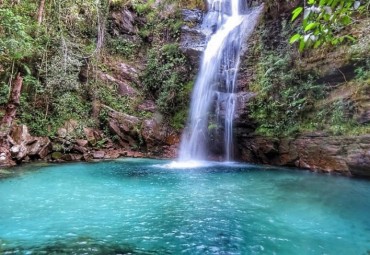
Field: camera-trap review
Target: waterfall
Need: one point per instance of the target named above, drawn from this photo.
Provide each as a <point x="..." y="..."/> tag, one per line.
<point x="229" y="23"/>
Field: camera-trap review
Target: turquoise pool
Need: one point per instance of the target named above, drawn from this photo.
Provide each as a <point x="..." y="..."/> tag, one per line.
<point x="140" y="206"/>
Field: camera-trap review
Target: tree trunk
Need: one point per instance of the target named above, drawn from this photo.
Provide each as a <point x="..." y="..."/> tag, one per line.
<point x="40" y="12"/>
<point x="13" y="102"/>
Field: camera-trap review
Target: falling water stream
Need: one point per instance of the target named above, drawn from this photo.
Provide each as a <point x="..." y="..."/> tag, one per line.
<point x="230" y="23"/>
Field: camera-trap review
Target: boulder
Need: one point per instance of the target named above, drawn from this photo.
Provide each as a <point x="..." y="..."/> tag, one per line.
<point x="112" y="154"/>
<point x="127" y="72"/>
<point x="193" y="16"/>
<point x="82" y="142"/>
<point x="71" y="157"/>
<point x="98" y="154"/>
<point x="18" y="152"/>
<point x="40" y="148"/>
<point x="193" y="43"/>
<point x="147" y="106"/>
<point x="152" y="132"/>
<point x="93" y="135"/>
<point x="123" y="22"/>
<point x="5" y="157"/>
<point x="79" y="149"/>
<point x="344" y="155"/>
<point x="20" y="134"/>
<point x="126" y="127"/>
<point x="123" y="87"/>
<point x="87" y="157"/>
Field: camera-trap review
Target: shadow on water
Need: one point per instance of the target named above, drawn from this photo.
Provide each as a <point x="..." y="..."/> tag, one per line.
<point x="78" y="246"/>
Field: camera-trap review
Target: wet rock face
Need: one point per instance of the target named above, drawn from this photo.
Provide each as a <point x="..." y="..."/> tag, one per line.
<point x="345" y="155"/>
<point x="193" y="37"/>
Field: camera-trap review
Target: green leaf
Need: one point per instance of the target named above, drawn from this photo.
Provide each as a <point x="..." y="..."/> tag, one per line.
<point x="310" y="26"/>
<point x="296" y="13"/>
<point x="294" y="38"/>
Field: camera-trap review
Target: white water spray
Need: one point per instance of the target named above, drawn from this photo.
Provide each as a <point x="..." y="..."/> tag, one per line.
<point x="216" y="81"/>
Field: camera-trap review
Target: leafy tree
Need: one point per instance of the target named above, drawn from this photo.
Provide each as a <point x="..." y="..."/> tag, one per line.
<point x="324" y="22"/>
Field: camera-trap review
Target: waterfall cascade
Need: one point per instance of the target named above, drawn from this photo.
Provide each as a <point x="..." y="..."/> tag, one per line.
<point x="229" y="23"/>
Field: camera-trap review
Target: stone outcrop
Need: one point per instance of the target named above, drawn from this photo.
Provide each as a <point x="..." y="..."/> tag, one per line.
<point x="193" y="37"/>
<point x="123" y="87"/>
<point x="152" y="134"/>
<point x="123" y="22"/>
<point x="24" y="145"/>
<point x="345" y="155"/>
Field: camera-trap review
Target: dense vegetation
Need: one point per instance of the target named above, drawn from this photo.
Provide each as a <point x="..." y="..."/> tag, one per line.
<point x="294" y="90"/>
<point x="325" y="21"/>
<point x="62" y="53"/>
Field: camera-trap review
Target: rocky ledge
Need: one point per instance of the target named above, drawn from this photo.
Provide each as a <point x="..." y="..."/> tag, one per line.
<point x="134" y="137"/>
<point x="333" y="154"/>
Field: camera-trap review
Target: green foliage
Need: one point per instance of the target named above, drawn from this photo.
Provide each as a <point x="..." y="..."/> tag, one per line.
<point x="4" y="93"/>
<point x="283" y="96"/>
<point x="324" y="22"/>
<point x="166" y="76"/>
<point x="179" y="119"/>
<point x="109" y="96"/>
<point x="122" y="47"/>
<point x="363" y="72"/>
<point x="186" y="4"/>
<point x="51" y="55"/>
<point x="142" y="7"/>
<point x="161" y="26"/>
<point x="61" y="73"/>
<point x="15" y="40"/>
<point x="45" y="123"/>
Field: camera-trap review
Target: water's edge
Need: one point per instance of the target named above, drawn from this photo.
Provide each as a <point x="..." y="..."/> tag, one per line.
<point x="11" y="171"/>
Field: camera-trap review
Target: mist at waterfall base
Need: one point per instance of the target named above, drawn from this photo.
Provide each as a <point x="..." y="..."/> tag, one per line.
<point x="138" y="206"/>
<point x="214" y="100"/>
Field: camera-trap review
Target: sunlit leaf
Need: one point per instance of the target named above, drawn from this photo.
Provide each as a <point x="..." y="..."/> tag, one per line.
<point x="295" y="38"/>
<point x="310" y="26"/>
<point x="296" y="13"/>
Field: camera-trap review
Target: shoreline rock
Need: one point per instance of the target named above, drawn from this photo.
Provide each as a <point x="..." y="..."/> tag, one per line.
<point x="346" y="155"/>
